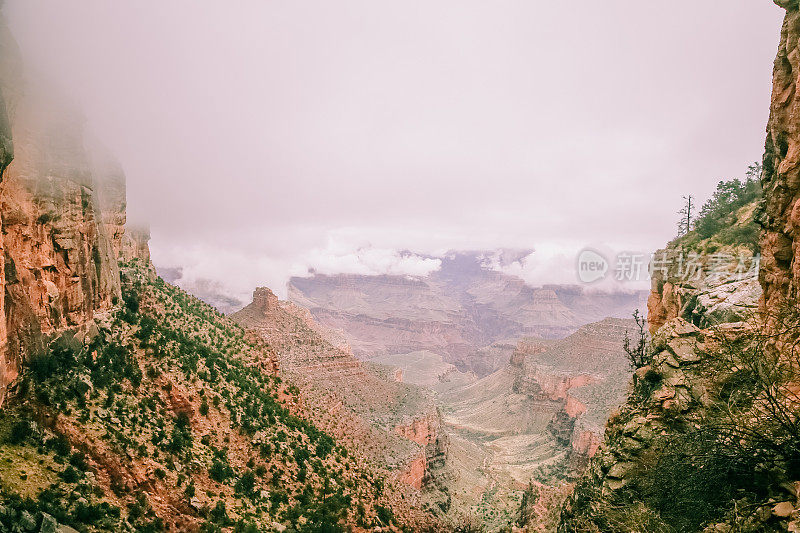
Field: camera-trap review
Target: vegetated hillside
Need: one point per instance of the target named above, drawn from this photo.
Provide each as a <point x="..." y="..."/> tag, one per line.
<point x="708" y="439"/>
<point x="167" y="415"/>
<point x="709" y="276"/>
<point x="728" y="218"/>
<point x="362" y="406"/>
<point x="396" y="425"/>
<point x="456" y="312"/>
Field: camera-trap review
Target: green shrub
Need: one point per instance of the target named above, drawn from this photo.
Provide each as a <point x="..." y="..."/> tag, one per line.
<point x="204" y="407"/>
<point x="70" y="475"/>
<point x="20" y="432"/>
<point x="246" y="483"/>
<point x="220" y="470"/>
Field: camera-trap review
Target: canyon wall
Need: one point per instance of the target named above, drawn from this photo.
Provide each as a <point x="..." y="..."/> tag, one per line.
<point x="464" y="312"/>
<point x="7" y="373"/>
<point x="780" y="218"/>
<point x="62" y="226"/>
<point x="702" y="297"/>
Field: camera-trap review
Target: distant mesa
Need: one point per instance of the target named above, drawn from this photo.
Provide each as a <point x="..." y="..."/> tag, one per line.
<point x="457" y="311"/>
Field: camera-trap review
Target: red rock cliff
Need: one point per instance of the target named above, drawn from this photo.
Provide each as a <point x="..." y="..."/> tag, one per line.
<point x="59" y="241"/>
<point x="780" y="269"/>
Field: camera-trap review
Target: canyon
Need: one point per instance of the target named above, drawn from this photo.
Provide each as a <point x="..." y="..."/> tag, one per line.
<point x="467" y="312"/>
<point x="465" y="399"/>
<point x="521" y="379"/>
<point x="129" y="405"/>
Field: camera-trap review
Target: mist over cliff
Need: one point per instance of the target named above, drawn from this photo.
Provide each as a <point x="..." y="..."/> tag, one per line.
<point x="297" y="131"/>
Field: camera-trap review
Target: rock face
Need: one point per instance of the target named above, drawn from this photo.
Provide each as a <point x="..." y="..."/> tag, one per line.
<point x="62" y="223"/>
<point x="7" y="372"/>
<point x="780" y="269"/>
<point x="458" y="312"/>
<point x="703" y="298"/>
<point x="427" y="432"/>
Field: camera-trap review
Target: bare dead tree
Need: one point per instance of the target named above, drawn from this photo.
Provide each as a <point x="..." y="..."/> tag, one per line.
<point x="686" y="213"/>
<point x="638" y="348"/>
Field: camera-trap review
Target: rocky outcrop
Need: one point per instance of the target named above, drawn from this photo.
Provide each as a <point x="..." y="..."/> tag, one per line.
<point x="681" y="390"/>
<point x="544" y="383"/>
<point x="422" y="430"/>
<point x="300" y="342"/>
<point x="702" y="293"/>
<point x="692" y="373"/>
<point x="134" y="244"/>
<point x="426" y="431"/>
<point x="112" y="196"/>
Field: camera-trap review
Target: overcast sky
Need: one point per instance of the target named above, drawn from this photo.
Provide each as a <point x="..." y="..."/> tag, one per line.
<point x="261" y="138"/>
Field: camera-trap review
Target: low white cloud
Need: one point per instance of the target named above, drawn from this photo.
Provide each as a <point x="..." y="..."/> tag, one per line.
<point x="557" y="263"/>
<point x="341" y="258"/>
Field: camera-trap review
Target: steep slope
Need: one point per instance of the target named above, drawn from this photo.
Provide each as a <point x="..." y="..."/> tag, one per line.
<point x="169" y="416"/>
<point x="126" y="404"/>
<point x="60" y="266"/>
<point x="395" y="424"/>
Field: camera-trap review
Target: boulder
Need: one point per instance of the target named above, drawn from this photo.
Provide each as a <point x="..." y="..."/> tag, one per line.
<point x="48" y="525"/>
<point x="783" y="509"/>
<point x="685" y="350"/>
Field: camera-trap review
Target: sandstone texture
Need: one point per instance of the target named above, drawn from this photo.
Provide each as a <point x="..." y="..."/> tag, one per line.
<point x="780" y="270"/>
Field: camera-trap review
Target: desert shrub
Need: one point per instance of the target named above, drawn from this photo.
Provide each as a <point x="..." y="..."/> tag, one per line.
<point x="54" y="362"/>
<point x="70" y="474"/>
<point x="59" y="445"/>
<point x="385" y="515"/>
<point x="20" y="432"/>
<point x="220" y="470"/>
<point x="246" y="483"/>
<point x="748" y="441"/>
<point x="470" y="524"/>
<point x="204" y="407"/>
<point x="78" y="460"/>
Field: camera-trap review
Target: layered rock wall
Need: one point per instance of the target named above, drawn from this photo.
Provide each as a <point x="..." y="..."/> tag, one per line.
<point x="6" y="155"/>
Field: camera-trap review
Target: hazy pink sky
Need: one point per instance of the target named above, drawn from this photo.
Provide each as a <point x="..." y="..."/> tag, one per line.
<point x="263" y="137"/>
